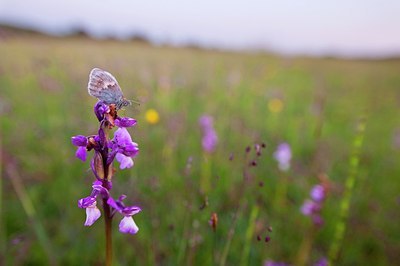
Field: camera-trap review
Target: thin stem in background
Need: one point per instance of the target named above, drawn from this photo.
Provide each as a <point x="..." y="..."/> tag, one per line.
<point x="2" y="228"/>
<point x="183" y="240"/>
<point x="249" y="235"/>
<point x="349" y="188"/>
<point x="280" y="199"/>
<point x="306" y="246"/>
<point x="231" y="233"/>
<point x="29" y="209"/>
<point x="205" y="175"/>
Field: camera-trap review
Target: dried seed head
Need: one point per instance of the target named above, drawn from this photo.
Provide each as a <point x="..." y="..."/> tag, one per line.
<point x="205" y="204"/>
<point x="214" y="221"/>
<point x="257" y="147"/>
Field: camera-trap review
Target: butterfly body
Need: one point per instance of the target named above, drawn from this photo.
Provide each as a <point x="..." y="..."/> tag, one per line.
<point x="105" y="87"/>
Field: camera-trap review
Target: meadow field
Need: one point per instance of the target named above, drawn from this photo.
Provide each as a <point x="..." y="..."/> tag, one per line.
<point x="340" y="118"/>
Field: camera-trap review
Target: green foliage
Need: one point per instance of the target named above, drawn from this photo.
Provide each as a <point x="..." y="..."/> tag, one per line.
<point x="44" y="101"/>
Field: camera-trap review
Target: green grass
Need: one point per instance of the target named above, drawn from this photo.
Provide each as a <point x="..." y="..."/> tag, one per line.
<point x="44" y="101"/>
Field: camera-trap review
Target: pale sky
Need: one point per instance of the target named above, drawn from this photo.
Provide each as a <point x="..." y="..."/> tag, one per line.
<point x="352" y="27"/>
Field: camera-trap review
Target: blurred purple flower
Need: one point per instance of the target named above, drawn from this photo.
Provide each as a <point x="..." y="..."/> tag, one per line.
<point x="206" y="121"/>
<point x="317" y="219"/>
<point x="274" y="263"/>
<point x="321" y="262"/>
<point x="210" y="138"/>
<point x="308" y="207"/>
<point x="283" y="155"/>
<point x="313" y="207"/>
<point x="396" y="139"/>
<point x="317" y="193"/>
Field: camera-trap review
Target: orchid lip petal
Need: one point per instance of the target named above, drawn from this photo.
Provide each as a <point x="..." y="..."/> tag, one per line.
<point x="92" y="214"/>
<point x="128" y="226"/>
<point x="125" y="161"/>
<point x="81" y="153"/>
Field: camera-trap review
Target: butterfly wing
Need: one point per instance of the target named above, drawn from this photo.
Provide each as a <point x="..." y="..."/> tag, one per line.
<point x="104" y="87"/>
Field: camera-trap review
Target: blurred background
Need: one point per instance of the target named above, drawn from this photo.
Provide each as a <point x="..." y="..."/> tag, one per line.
<point x="269" y="132"/>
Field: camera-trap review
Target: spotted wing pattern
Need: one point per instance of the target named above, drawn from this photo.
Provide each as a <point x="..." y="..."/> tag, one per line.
<point x="104" y="87"/>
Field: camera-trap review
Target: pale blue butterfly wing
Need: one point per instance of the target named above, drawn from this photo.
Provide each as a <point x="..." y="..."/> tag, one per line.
<point x="104" y="87"/>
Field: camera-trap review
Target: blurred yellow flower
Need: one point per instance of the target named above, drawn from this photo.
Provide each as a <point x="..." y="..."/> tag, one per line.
<point x="275" y="105"/>
<point x="152" y="116"/>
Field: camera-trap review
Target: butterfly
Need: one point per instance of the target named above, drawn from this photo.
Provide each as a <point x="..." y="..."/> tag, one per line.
<point x="104" y="87"/>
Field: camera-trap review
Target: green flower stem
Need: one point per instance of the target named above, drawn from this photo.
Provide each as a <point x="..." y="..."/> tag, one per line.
<point x="349" y="188"/>
<point x="2" y="227"/>
<point x="249" y="234"/>
<point x="205" y="175"/>
<point x="281" y="193"/>
<point x="304" y="251"/>
<point x="108" y="223"/>
<point x="231" y="233"/>
<point x="29" y="209"/>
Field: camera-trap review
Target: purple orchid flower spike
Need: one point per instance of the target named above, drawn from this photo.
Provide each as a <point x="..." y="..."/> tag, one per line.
<point x="106" y="150"/>
<point x="210" y="139"/>
<point x="283" y="155"/>
<point x="312" y="207"/>
<point x="318" y="193"/>
<point x="122" y="149"/>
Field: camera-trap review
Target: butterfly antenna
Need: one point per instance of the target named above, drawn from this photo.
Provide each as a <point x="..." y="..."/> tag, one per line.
<point x="134" y="101"/>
